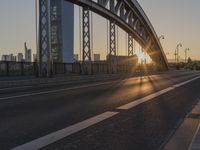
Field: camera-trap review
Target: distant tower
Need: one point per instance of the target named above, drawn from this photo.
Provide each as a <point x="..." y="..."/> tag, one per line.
<point x="27" y="53"/>
<point x="62" y="31"/>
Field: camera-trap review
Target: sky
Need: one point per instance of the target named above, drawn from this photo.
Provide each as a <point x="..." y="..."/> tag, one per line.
<point x="177" y="20"/>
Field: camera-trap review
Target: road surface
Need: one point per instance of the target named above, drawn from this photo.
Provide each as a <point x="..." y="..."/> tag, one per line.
<point x="134" y="113"/>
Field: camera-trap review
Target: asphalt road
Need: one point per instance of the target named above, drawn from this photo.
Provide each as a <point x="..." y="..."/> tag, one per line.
<point x="28" y="113"/>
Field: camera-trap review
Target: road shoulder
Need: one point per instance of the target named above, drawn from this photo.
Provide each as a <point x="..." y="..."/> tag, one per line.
<point x="185" y="137"/>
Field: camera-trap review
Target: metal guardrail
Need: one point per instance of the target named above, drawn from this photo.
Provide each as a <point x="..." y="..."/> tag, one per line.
<point x="31" y="68"/>
<point x="17" y="68"/>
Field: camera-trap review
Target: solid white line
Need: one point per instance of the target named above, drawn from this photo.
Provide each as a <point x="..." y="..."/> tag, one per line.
<point x="151" y="96"/>
<point x="54" y="91"/>
<point x="144" y="99"/>
<point x="55" y="136"/>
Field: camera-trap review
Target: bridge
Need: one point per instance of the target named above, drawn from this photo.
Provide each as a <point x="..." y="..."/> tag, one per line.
<point x="109" y="108"/>
<point x="127" y="14"/>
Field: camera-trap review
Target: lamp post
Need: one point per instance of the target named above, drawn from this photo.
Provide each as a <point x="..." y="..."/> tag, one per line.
<point x="187" y="49"/>
<point x="177" y="53"/>
<point x="161" y="37"/>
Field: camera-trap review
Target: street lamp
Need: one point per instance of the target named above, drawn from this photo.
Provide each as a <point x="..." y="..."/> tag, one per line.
<point x="187" y="49"/>
<point x="161" y="37"/>
<point x="177" y="52"/>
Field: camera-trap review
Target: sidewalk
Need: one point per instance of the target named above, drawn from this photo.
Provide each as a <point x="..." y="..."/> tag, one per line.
<point x="187" y="136"/>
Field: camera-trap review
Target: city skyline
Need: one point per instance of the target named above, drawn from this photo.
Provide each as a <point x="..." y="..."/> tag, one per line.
<point x="179" y="27"/>
<point x="25" y="56"/>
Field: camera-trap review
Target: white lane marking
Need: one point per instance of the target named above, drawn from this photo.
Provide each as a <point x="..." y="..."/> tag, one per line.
<point x="13" y="88"/>
<point x="151" y="96"/>
<point x="144" y="99"/>
<point x="54" y="91"/>
<point x="55" y="136"/>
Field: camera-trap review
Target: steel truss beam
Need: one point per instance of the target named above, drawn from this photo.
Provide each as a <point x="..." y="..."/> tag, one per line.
<point x="130" y="45"/>
<point x="112" y="39"/>
<point x="44" y="47"/>
<point x="113" y="51"/>
<point x="86" y="41"/>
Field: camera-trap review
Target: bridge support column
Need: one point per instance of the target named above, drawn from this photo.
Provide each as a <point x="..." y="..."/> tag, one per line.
<point x="87" y="65"/>
<point x="130" y="45"/>
<point x="130" y="51"/>
<point x="44" y="43"/>
<point x="113" y="53"/>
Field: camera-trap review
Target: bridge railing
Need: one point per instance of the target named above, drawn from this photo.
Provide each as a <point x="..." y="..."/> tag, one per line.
<point x="9" y="68"/>
<point x="31" y="68"/>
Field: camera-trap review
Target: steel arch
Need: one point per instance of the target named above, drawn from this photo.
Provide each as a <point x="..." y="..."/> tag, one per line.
<point x="129" y="15"/>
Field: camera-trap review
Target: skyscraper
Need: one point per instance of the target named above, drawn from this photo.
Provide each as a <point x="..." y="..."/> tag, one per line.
<point x="27" y="53"/>
<point x="62" y="31"/>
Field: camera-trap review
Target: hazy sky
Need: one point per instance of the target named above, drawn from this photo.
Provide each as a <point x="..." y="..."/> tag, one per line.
<point x="178" y="20"/>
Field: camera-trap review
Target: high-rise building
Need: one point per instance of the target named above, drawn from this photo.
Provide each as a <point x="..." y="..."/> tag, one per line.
<point x="20" y="57"/>
<point x="96" y="57"/>
<point x="9" y="57"/>
<point x="4" y="57"/>
<point x="27" y="53"/>
<point x="62" y="31"/>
